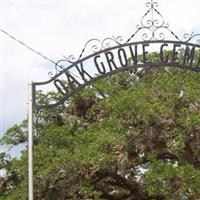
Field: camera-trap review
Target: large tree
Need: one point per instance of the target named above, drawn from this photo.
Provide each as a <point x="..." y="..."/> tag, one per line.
<point x="134" y="136"/>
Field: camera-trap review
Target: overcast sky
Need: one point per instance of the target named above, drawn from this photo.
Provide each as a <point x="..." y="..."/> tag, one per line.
<point x="60" y="28"/>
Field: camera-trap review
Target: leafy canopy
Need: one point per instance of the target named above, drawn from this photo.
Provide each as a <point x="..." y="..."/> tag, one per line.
<point x="130" y="136"/>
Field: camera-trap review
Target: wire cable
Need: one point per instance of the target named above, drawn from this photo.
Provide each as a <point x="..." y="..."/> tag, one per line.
<point x="27" y="46"/>
<point x="31" y="49"/>
<point x="37" y="52"/>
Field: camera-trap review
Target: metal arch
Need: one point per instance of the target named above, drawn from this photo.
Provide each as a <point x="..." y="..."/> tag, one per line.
<point x="103" y="51"/>
<point x="152" y="29"/>
<point x="152" y="26"/>
<point x="128" y="68"/>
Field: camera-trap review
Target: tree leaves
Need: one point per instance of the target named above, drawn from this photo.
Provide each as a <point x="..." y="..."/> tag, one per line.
<point x="129" y="136"/>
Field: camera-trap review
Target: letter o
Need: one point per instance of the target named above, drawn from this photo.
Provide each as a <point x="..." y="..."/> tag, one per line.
<point x="122" y="57"/>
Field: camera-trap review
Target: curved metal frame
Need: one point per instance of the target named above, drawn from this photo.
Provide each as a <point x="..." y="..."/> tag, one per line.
<point x="151" y="29"/>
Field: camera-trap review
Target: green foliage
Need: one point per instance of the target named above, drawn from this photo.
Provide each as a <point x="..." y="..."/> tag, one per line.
<point x="15" y="135"/>
<point x="129" y="136"/>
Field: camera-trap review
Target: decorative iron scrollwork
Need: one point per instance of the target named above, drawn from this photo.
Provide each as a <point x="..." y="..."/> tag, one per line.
<point x="152" y="27"/>
<point x="59" y="66"/>
<point x="152" y="24"/>
<point x="191" y="37"/>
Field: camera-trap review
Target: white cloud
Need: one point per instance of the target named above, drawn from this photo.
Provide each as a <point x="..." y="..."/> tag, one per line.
<point x="58" y="28"/>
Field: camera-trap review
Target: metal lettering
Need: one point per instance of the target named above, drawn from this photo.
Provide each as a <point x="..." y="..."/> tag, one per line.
<point x="189" y="56"/>
<point x="134" y="55"/>
<point x="175" y="53"/>
<point x="82" y="72"/>
<point x="162" y="59"/>
<point x="122" y="57"/>
<point x="60" y="87"/>
<point x="71" y="80"/>
<point x="110" y="60"/>
<point x="145" y="53"/>
<point x="101" y="70"/>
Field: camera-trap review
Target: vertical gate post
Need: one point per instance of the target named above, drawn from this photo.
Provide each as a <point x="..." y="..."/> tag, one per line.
<point x="30" y="142"/>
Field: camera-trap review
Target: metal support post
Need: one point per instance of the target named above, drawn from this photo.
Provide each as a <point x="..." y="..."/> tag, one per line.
<point x="30" y="142"/>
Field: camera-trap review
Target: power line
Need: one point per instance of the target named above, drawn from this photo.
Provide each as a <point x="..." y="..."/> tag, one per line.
<point x="27" y="46"/>
<point x="31" y="49"/>
<point x="35" y="51"/>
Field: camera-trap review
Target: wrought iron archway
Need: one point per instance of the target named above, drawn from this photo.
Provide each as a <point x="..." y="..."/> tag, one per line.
<point x="111" y="56"/>
<point x="107" y="55"/>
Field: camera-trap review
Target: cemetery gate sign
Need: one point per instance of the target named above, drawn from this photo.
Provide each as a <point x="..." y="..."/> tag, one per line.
<point x="115" y="54"/>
